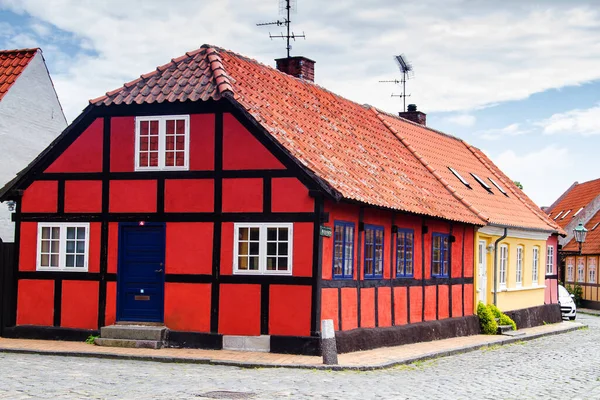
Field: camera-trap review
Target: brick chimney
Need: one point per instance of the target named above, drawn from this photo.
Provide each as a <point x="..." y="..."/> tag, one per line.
<point x="415" y="116"/>
<point x="300" y="67"/>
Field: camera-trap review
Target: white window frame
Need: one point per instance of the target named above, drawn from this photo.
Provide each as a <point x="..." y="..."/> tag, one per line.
<point x="570" y="269"/>
<point x="535" y="266"/>
<point x="591" y="262"/>
<point x="581" y="271"/>
<point x="519" y="268"/>
<point x="162" y="142"/>
<point x="549" y="260"/>
<point x="62" y="246"/>
<point x="262" y="251"/>
<point x="503" y="265"/>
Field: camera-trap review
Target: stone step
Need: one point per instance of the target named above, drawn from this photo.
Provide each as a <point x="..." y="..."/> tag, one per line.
<point x="134" y="332"/>
<point x="140" y="344"/>
<point x="514" y="333"/>
<point x="504" y="328"/>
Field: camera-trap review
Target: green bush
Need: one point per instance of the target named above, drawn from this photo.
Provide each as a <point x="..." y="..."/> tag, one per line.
<point x="577" y="292"/>
<point x="486" y="320"/>
<point x="495" y="310"/>
<point x="506" y="320"/>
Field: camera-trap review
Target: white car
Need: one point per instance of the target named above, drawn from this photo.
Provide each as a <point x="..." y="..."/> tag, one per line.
<point x="567" y="305"/>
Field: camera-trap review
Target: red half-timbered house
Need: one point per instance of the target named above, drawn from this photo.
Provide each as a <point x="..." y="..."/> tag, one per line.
<point x="221" y="197"/>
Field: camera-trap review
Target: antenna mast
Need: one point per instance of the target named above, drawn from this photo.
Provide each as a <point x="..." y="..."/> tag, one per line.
<point x="407" y="72"/>
<point x="286" y="7"/>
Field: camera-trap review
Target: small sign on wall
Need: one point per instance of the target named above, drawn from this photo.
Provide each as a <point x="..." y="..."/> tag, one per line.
<point x="325" y="231"/>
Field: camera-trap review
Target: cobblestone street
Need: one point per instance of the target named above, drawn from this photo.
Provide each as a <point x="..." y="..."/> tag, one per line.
<point x="562" y="366"/>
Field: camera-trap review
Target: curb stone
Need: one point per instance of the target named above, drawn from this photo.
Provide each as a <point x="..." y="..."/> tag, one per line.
<point x="243" y="364"/>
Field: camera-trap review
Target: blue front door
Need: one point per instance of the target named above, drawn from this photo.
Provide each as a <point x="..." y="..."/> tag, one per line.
<point x="141" y="272"/>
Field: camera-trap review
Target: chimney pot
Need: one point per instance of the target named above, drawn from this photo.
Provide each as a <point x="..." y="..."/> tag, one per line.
<point x="300" y="67"/>
<point x="413" y="115"/>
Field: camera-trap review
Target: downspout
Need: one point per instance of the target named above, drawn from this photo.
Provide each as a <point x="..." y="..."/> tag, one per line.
<point x="496" y="264"/>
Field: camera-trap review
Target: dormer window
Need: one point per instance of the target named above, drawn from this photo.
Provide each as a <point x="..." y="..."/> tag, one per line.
<point x="498" y="187"/>
<point x="482" y="183"/>
<point x="595" y="225"/>
<point x="578" y="211"/>
<point x="460" y="178"/>
<point x="565" y="214"/>
<point x="558" y="215"/>
<point x="162" y="143"/>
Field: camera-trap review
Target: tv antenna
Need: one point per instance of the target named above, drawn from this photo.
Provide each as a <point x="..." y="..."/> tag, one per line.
<point x="286" y="7"/>
<point x="407" y="72"/>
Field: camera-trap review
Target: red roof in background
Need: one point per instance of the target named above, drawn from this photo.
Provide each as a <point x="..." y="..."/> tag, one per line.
<point x="592" y="239"/>
<point x="579" y="195"/>
<point x="360" y="152"/>
<point x="12" y="63"/>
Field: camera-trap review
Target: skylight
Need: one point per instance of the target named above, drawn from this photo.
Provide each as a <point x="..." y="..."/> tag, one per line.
<point x="595" y="226"/>
<point x="499" y="187"/>
<point x="578" y="211"/>
<point x="460" y="178"/>
<point x="567" y="213"/>
<point x="558" y="215"/>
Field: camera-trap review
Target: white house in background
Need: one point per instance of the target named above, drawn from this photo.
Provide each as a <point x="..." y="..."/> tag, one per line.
<point x="30" y="117"/>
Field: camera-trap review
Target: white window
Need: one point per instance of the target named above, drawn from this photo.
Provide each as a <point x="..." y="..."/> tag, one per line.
<point x="565" y="214"/>
<point x="503" y="263"/>
<point x="519" y="269"/>
<point x="558" y="215"/>
<point x="63" y="246"/>
<point x="549" y="260"/>
<point x="570" y="272"/>
<point x="591" y="270"/>
<point x="162" y="143"/>
<point x="577" y="213"/>
<point x="535" y="266"/>
<point x="581" y="270"/>
<point x="262" y="248"/>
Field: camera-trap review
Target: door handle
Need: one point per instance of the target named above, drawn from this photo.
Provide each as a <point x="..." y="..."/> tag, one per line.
<point x="159" y="270"/>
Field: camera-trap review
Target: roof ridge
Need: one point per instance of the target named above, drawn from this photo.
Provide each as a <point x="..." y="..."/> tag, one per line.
<point x="218" y="69"/>
<point x="550" y="208"/>
<point x="544" y="218"/>
<point x="432" y="170"/>
<point x="26" y="50"/>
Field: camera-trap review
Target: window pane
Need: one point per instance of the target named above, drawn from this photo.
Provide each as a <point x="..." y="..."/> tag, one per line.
<point x="368" y="267"/>
<point x="180" y="126"/>
<point x="70" y="246"/>
<point x="283" y="264"/>
<point x="379" y="237"/>
<point x="79" y="261"/>
<point x="45" y="233"/>
<point x="435" y="270"/>
<point x="283" y="249"/>
<point x="254" y="233"/>
<point x="45" y="246"/>
<point x="254" y="248"/>
<point x="144" y="127"/>
<point x="243" y="248"/>
<point x="54" y="246"/>
<point x="254" y="263"/>
<point x="54" y="260"/>
<point x="153" y="127"/>
<point x="337" y="266"/>
<point x="243" y="233"/>
<point x="179" y="159"/>
<point x="45" y="260"/>
<point x="80" y="246"/>
<point x="242" y="262"/>
<point x="55" y="233"/>
<point x="283" y="233"/>
<point x="70" y="233"/>
<point x="70" y="261"/>
<point x="272" y="234"/>
<point x="144" y="159"/>
<point x="80" y="233"/>
<point x="169" y="159"/>
<point x="271" y="263"/>
<point x="272" y="248"/>
<point x="170" y="127"/>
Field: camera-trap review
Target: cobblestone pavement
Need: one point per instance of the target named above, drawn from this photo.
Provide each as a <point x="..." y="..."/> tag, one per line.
<point x="564" y="366"/>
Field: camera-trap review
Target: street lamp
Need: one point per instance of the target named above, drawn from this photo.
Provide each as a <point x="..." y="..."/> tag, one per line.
<point x="580" y="233"/>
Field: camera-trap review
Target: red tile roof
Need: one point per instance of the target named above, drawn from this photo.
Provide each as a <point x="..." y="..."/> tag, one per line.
<point x="12" y="63"/>
<point x="362" y="153"/>
<point x="592" y="239"/>
<point x="579" y="195"/>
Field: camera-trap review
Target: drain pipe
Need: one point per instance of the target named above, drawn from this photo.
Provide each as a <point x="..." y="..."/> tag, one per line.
<point x="496" y="264"/>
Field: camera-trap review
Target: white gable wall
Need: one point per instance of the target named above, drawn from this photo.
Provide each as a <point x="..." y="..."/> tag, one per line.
<point x="30" y="118"/>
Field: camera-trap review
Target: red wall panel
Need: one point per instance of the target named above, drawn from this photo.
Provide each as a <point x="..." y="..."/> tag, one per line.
<point x="187" y="306"/>
<point x="28" y="246"/>
<point x="84" y="154"/>
<point x="94" y="257"/>
<point x="289" y="310"/>
<point x="79" y="307"/>
<point x="457" y="301"/>
<point x="241" y="150"/>
<point x="113" y="247"/>
<point x="83" y="196"/>
<point x="122" y="144"/>
<point x="469" y="252"/>
<point x="416" y="304"/>
<point x="303" y="249"/>
<point x="189" y="195"/>
<point x="202" y="142"/>
<point x="41" y="196"/>
<point x="443" y="302"/>
<point x="469" y="300"/>
<point x="329" y="306"/>
<point x="189" y="248"/>
<point x="367" y="308"/>
<point x="349" y="309"/>
<point x="243" y="195"/>
<point x="35" y="302"/>
<point x="110" y="314"/>
<point x="135" y="196"/>
<point x="239" y="309"/>
<point x="227" y="248"/>
<point x="384" y="304"/>
<point x="338" y="212"/>
<point x="400" y="306"/>
<point x="290" y="195"/>
<point x="457" y="247"/>
<point x="430" y="303"/>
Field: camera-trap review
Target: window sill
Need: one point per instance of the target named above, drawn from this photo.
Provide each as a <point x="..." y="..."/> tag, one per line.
<point x="439" y="276"/>
<point x="62" y="269"/>
<point x="342" y="278"/>
<point x="260" y="273"/>
<point x="373" y="277"/>
<point x="520" y="289"/>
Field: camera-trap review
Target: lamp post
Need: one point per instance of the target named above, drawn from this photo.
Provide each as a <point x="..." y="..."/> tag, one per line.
<point x="579" y="232"/>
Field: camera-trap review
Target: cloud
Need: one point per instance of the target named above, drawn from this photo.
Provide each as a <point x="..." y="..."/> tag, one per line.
<point x="544" y="173"/>
<point x="583" y="122"/>
<point x="462" y="120"/>
<point x="498" y="133"/>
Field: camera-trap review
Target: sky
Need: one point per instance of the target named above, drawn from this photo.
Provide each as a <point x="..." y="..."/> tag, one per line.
<point x="518" y="79"/>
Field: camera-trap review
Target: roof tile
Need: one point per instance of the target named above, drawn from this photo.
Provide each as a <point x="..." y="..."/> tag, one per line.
<point x="12" y="64"/>
<point x="580" y="195"/>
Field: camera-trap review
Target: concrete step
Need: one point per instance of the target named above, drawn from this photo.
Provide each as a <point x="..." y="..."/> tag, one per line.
<point x="134" y="332"/>
<point x="504" y="328"/>
<point x="514" y="333"/>
<point x="140" y="344"/>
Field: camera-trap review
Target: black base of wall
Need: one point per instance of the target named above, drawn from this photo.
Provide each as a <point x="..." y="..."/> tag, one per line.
<point x="535" y="316"/>
<point x="305" y="345"/>
<point x="48" y="333"/>
<point x="194" y="340"/>
<point x="370" y="338"/>
<point x="594" y="305"/>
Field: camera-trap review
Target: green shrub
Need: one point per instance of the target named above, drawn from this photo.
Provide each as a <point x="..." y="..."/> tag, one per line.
<point x="486" y="320"/>
<point x="90" y="339"/>
<point x="577" y="292"/>
<point x="495" y="310"/>
<point x="506" y="320"/>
